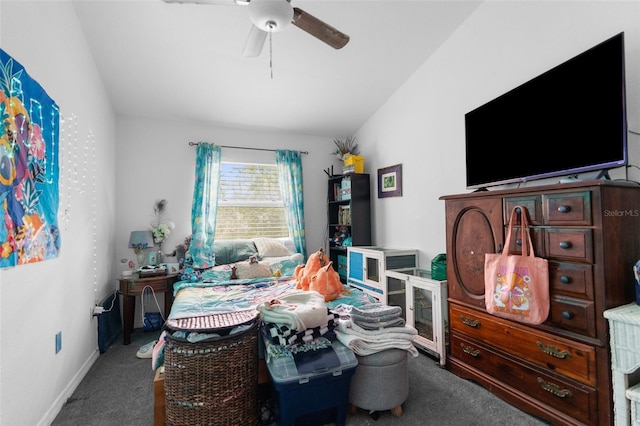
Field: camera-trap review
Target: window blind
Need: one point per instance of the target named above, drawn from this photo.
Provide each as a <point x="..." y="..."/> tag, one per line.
<point x="249" y="202"/>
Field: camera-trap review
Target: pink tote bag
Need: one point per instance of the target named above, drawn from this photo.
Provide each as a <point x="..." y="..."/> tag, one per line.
<point x="517" y="286"/>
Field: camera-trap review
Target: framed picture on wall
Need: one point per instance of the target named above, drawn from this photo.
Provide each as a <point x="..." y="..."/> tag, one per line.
<point x="390" y="181"/>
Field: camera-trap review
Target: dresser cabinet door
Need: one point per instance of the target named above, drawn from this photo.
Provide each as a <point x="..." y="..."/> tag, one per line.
<point x="476" y="229"/>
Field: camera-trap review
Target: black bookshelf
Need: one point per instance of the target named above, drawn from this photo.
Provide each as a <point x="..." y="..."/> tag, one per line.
<point x="349" y="215"/>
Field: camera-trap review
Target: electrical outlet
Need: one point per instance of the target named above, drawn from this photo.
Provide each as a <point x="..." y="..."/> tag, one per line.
<point x="58" y="341"/>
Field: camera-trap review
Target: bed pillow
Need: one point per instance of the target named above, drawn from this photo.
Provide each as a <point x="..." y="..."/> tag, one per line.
<point x="248" y="270"/>
<point x="270" y="247"/>
<point x="233" y="251"/>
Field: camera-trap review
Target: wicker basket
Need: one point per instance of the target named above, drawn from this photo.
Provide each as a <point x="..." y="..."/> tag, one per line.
<point x="214" y="381"/>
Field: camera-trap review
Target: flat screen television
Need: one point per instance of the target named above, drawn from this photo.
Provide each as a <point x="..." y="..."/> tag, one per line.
<point x="566" y="121"/>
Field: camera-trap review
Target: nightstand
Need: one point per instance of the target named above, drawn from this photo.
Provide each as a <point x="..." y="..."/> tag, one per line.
<point x="132" y="286"/>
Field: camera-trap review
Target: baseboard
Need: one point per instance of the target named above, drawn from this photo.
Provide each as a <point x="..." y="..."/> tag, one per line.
<point x="59" y="402"/>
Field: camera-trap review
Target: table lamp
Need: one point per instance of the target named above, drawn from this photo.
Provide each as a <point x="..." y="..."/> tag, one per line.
<point x="138" y="241"/>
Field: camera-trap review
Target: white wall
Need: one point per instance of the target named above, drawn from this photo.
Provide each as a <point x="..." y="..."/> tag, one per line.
<point x="501" y="45"/>
<point x="41" y="299"/>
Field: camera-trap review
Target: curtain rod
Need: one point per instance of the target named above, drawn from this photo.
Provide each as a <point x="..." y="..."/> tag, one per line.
<point x="245" y="147"/>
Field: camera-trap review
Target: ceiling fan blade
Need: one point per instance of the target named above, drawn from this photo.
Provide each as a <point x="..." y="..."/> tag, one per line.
<point x="320" y="30"/>
<point x="255" y="42"/>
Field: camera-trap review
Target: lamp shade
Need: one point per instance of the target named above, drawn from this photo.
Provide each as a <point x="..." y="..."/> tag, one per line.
<point x="140" y="239"/>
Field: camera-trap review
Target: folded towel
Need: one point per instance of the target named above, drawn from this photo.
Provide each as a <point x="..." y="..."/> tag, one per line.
<point x="377" y="325"/>
<point x="381" y="318"/>
<point x="347" y="326"/>
<point x="371" y="310"/>
<point x="298" y="309"/>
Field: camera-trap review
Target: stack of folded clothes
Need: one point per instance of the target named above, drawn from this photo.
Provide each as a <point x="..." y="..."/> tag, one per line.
<point x="297" y="321"/>
<point x="373" y="328"/>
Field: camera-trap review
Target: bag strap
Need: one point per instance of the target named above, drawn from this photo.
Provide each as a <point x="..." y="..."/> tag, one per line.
<point x="527" y="244"/>
<point x="143" y="301"/>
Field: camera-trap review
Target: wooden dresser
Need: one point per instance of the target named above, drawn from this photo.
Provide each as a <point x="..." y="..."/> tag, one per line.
<point x="590" y="233"/>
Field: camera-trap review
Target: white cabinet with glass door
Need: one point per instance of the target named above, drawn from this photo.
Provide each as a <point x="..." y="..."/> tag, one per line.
<point x="426" y="308"/>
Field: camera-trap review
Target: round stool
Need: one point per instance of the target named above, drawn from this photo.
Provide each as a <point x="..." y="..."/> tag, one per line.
<point x="381" y="382"/>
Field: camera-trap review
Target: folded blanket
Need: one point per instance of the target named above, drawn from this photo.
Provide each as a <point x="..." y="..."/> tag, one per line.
<point x="298" y="309"/>
<point x="273" y="351"/>
<point x="283" y="335"/>
<point x="367" y="342"/>
<point x="365" y="347"/>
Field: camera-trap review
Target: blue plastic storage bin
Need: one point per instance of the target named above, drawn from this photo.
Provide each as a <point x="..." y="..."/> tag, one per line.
<point x="313" y="388"/>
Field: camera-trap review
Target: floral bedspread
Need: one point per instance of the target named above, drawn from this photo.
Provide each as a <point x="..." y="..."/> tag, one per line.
<point x="200" y="299"/>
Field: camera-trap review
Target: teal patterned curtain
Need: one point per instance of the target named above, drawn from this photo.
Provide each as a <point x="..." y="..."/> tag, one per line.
<point x="205" y="204"/>
<point x="290" y="177"/>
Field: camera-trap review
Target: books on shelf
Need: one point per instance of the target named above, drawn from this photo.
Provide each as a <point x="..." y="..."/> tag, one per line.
<point x="342" y="190"/>
<point x="345" y="194"/>
<point x="344" y="215"/>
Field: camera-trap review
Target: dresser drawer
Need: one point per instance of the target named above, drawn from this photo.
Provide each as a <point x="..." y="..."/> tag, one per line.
<point x="569" y="397"/>
<point x="567" y="209"/>
<point x="537" y="239"/>
<point x="573" y="314"/>
<point x="571" y="279"/>
<point x="569" y="244"/>
<point x="563" y="356"/>
<point x="532" y="203"/>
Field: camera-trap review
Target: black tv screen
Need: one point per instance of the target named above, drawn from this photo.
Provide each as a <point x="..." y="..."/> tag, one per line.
<point x="569" y="120"/>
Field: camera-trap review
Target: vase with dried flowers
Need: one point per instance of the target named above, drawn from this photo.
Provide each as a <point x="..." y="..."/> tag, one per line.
<point x="346" y="147"/>
<point x="161" y="227"/>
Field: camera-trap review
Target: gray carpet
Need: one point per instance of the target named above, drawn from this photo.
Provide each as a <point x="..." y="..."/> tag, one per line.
<point x="118" y="390"/>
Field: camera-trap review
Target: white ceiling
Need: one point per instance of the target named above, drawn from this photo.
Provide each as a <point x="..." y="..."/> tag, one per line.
<point x="184" y="61"/>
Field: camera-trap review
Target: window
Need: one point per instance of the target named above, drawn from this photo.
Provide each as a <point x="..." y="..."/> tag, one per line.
<point x="249" y="202"/>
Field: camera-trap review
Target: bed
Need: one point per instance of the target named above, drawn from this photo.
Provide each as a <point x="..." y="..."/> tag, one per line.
<point x="217" y="290"/>
<point x="222" y="303"/>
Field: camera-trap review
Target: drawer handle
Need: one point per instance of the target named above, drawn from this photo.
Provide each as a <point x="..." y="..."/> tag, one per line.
<point x="567" y="315"/>
<point x="554" y="389"/>
<point x="564" y="209"/>
<point x="469" y="350"/>
<point x="470" y="322"/>
<point x="519" y="242"/>
<point x="565" y="279"/>
<point x="565" y="244"/>
<point x="553" y="351"/>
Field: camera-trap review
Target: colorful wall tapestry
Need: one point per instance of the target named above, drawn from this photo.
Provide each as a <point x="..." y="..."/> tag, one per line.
<point x="28" y="168"/>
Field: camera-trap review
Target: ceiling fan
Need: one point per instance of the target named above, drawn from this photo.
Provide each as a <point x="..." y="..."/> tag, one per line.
<point x="273" y="15"/>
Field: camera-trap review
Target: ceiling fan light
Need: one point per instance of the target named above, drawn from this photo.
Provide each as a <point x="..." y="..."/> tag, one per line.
<point x="270" y="15"/>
